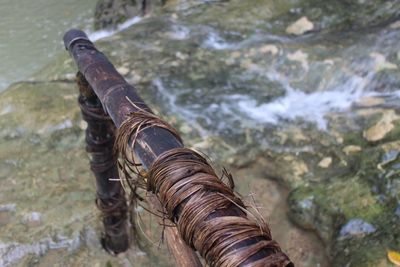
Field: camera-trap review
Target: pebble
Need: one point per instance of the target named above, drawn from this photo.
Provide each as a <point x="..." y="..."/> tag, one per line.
<point x="351" y="149"/>
<point x="325" y="162"/>
<point x="301" y="26"/>
<point x="123" y="70"/>
<point x="356" y="227"/>
<point x="382" y="127"/>
<point x="378" y="131"/>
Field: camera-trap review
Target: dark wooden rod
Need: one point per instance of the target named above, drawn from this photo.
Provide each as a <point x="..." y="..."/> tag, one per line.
<point x="116" y="96"/>
<point x="100" y="137"/>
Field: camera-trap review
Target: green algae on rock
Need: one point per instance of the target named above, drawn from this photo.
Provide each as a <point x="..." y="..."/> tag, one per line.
<point x="211" y="68"/>
<point x="47" y="182"/>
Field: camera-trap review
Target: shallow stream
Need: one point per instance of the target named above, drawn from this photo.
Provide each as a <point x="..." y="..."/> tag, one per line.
<point x="298" y="98"/>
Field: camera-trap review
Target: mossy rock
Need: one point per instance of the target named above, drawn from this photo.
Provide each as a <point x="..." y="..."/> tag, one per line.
<point x="110" y="13"/>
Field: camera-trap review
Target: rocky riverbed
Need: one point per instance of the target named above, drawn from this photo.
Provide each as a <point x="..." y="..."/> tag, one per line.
<point x="299" y="99"/>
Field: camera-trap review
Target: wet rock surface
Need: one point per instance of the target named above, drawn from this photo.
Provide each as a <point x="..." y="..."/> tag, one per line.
<point x="109" y="13"/>
<point x="308" y="123"/>
<point x="356" y="227"/>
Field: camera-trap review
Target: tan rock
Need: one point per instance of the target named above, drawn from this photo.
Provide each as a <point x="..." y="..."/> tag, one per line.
<point x="348" y="150"/>
<point x="269" y="49"/>
<point x="378" y="131"/>
<point x="325" y="162"/>
<point x="123" y="70"/>
<point x="382" y="127"/>
<point x="300" y="26"/>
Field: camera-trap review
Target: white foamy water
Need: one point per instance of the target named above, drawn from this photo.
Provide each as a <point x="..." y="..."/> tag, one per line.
<point x="311" y="107"/>
<point x="349" y="82"/>
<point x="101" y="34"/>
<point x="214" y="41"/>
<point x="294" y="104"/>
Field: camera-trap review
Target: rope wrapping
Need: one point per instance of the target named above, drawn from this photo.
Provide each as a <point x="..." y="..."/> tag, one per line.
<point x="210" y="217"/>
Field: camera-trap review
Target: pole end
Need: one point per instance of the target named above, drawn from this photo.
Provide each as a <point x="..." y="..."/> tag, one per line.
<point x="72" y="36"/>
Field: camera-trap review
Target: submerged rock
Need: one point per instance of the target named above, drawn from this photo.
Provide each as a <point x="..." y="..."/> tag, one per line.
<point x="235" y="80"/>
<point x="48" y="185"/>
<point x="382" y="127"/>
<point x="300" y="27"/>
<point x="378" y="131"/>
<point x="325" y="162"/>
<point x="356" y="227"/>
<point x="110" y="13"/>
<point x="389" y="157"/>
<point x="352" y="149"/>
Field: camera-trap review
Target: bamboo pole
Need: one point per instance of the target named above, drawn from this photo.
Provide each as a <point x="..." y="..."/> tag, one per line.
<point x="117" y="96"/>
<point x="100" y="137"/>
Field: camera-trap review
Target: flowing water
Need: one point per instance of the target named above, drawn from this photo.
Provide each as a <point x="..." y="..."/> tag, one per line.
<point x="235" y="83"/>
<point x="31" y="33"/>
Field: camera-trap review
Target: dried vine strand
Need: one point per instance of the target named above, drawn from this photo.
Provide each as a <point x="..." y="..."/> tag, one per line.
<point x="191" y="194"/>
